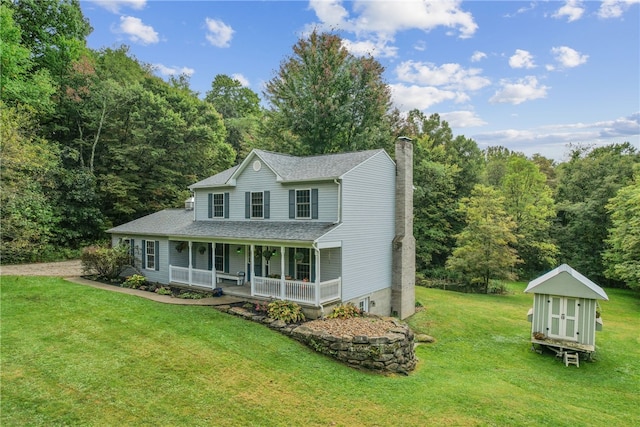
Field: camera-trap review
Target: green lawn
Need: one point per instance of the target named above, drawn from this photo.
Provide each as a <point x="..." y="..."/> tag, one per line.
<point x="74" y="355"/>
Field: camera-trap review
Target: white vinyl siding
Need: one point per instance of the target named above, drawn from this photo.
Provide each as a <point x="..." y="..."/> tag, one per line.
<point x="367" y="228"/>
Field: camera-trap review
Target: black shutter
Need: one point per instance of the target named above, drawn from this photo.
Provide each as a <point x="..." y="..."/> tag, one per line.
<point x="226" y="258"/>
<point x="210" y="214"/>
<point x="210" y="260"/>
<point x="292" y="204"/>
<point x="267" y="204"/>
<point x="144" y="253"/>
<point x="226" y="205"/>
<point x="247" y="204"/>
<point x="312" y="255"/>
<point x="314" y="203"/>
<point x="156" y="257"/>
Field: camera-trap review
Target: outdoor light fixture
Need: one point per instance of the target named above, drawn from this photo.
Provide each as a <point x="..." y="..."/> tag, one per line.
<point x="239" y="250"/>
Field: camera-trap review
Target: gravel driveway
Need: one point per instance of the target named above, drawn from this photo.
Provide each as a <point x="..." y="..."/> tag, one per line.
<point x="60" y="269"/>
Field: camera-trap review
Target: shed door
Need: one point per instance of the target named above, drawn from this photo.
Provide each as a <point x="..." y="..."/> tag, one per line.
<point x="563" y="318"/>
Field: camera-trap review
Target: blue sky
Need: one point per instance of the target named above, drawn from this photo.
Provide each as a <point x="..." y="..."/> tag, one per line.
<point x="532" y="76"/>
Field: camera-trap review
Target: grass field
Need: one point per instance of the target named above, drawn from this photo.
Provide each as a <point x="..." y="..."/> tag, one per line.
<point x="74" y="355"/>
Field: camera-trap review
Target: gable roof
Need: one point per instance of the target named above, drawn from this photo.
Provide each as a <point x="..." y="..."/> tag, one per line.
<point x="289" y="168"/>
<point x="566" y="281"/>
<point x="178" y="223"/>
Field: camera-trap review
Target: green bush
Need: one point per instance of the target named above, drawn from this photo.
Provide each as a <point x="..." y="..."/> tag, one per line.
<point x="163" y="291"/>
<point x="105" y="262"/>
<point x="134" y="282"/>
<point x="287" y="311"/>
<point x="345" y="311"/>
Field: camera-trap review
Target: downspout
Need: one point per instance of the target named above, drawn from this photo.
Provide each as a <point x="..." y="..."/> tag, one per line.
<point x="339" y="184"/>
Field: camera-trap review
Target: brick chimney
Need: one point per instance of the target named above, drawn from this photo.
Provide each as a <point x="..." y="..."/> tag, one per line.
<point x="403" y="297"/>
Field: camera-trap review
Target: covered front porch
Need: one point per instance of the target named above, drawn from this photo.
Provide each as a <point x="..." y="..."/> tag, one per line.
<point x="306" y="275"/>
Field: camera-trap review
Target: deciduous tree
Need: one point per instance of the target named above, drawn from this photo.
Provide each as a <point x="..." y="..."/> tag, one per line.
<point x="484" y="247"/>
<point x="328" y="99"/>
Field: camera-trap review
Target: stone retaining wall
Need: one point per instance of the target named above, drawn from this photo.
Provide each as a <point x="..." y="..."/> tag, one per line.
<point x="391" y="353"/>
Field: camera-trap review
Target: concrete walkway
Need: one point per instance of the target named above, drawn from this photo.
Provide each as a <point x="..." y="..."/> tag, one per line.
<point x="166" y="299"/>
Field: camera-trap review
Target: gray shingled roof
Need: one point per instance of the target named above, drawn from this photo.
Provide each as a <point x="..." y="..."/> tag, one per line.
<point x="294" y="169"/>
<point x="180" y="223"/>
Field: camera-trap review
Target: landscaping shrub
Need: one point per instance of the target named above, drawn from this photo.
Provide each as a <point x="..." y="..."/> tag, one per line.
<point x="134" y="282"/>
<point x="287" y="311"/>
<point x="105" y="262"/>
<point x="163" y="291"/>
<point x="345" y="311"/>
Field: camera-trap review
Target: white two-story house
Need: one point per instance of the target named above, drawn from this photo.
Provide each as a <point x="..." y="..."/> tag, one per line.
<point x="316" y="230"/>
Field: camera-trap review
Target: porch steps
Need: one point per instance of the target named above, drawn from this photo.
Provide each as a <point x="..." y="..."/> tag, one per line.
<point x="571" y="359"/>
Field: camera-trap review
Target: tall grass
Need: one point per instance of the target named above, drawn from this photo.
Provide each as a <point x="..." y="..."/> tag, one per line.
<point x="74" y="355"/>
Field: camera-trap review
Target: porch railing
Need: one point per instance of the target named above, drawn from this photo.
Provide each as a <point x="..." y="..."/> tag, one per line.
<point x="191" y="277"/>
<point x="297" y="290"/>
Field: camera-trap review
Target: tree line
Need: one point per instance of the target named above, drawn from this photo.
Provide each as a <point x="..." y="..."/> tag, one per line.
<point x="92" y="139"/>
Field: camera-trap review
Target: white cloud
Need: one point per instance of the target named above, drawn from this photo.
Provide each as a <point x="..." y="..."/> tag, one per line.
<point x="242" y="79"/>
<point x="116" y="5"/>
<point x="450" y="76"/>
<point x="521" y="59"/>
<point x="572" y="9"/>
<point x="137" y="31"/>
<point x="378" y="49"/>
<point x="172" y="71"/>
<point x="462" y="119"/>
<point x="375" y="23"/>
<point x="615" y="8"/>
<point x="567" y="57"/>
<point x="552" y="141"/>
<point x="522" y="90"/>
<point x="478" y="56"/>
<point x="407" y="98"/>
<point x="219" y="34"/>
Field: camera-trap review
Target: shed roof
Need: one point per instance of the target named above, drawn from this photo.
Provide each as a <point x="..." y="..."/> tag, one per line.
<point x="179" y="223"/>
<point x="289" y="168"/>
<point x="566" y="281"/>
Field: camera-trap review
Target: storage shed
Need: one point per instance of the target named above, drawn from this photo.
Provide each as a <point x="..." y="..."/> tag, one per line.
<point x="565" y="314"/>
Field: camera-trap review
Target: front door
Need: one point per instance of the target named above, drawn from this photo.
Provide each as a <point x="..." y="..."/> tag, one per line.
<point x="563" y="318"/>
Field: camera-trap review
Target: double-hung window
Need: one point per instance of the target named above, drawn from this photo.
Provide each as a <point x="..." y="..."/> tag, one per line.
<point x="218" y="205"/>
<point x="257" y="204"/>
<point x="303" y="204"/>
<point x="150" y="255"/>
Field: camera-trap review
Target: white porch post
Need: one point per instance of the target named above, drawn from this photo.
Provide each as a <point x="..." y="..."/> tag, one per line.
<point x="252" y="270"/>
<point x="316" y="254"/>
<point x="190" y="260"/>
<point x="282" y="274"/>
<point x="212" y="259"/>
